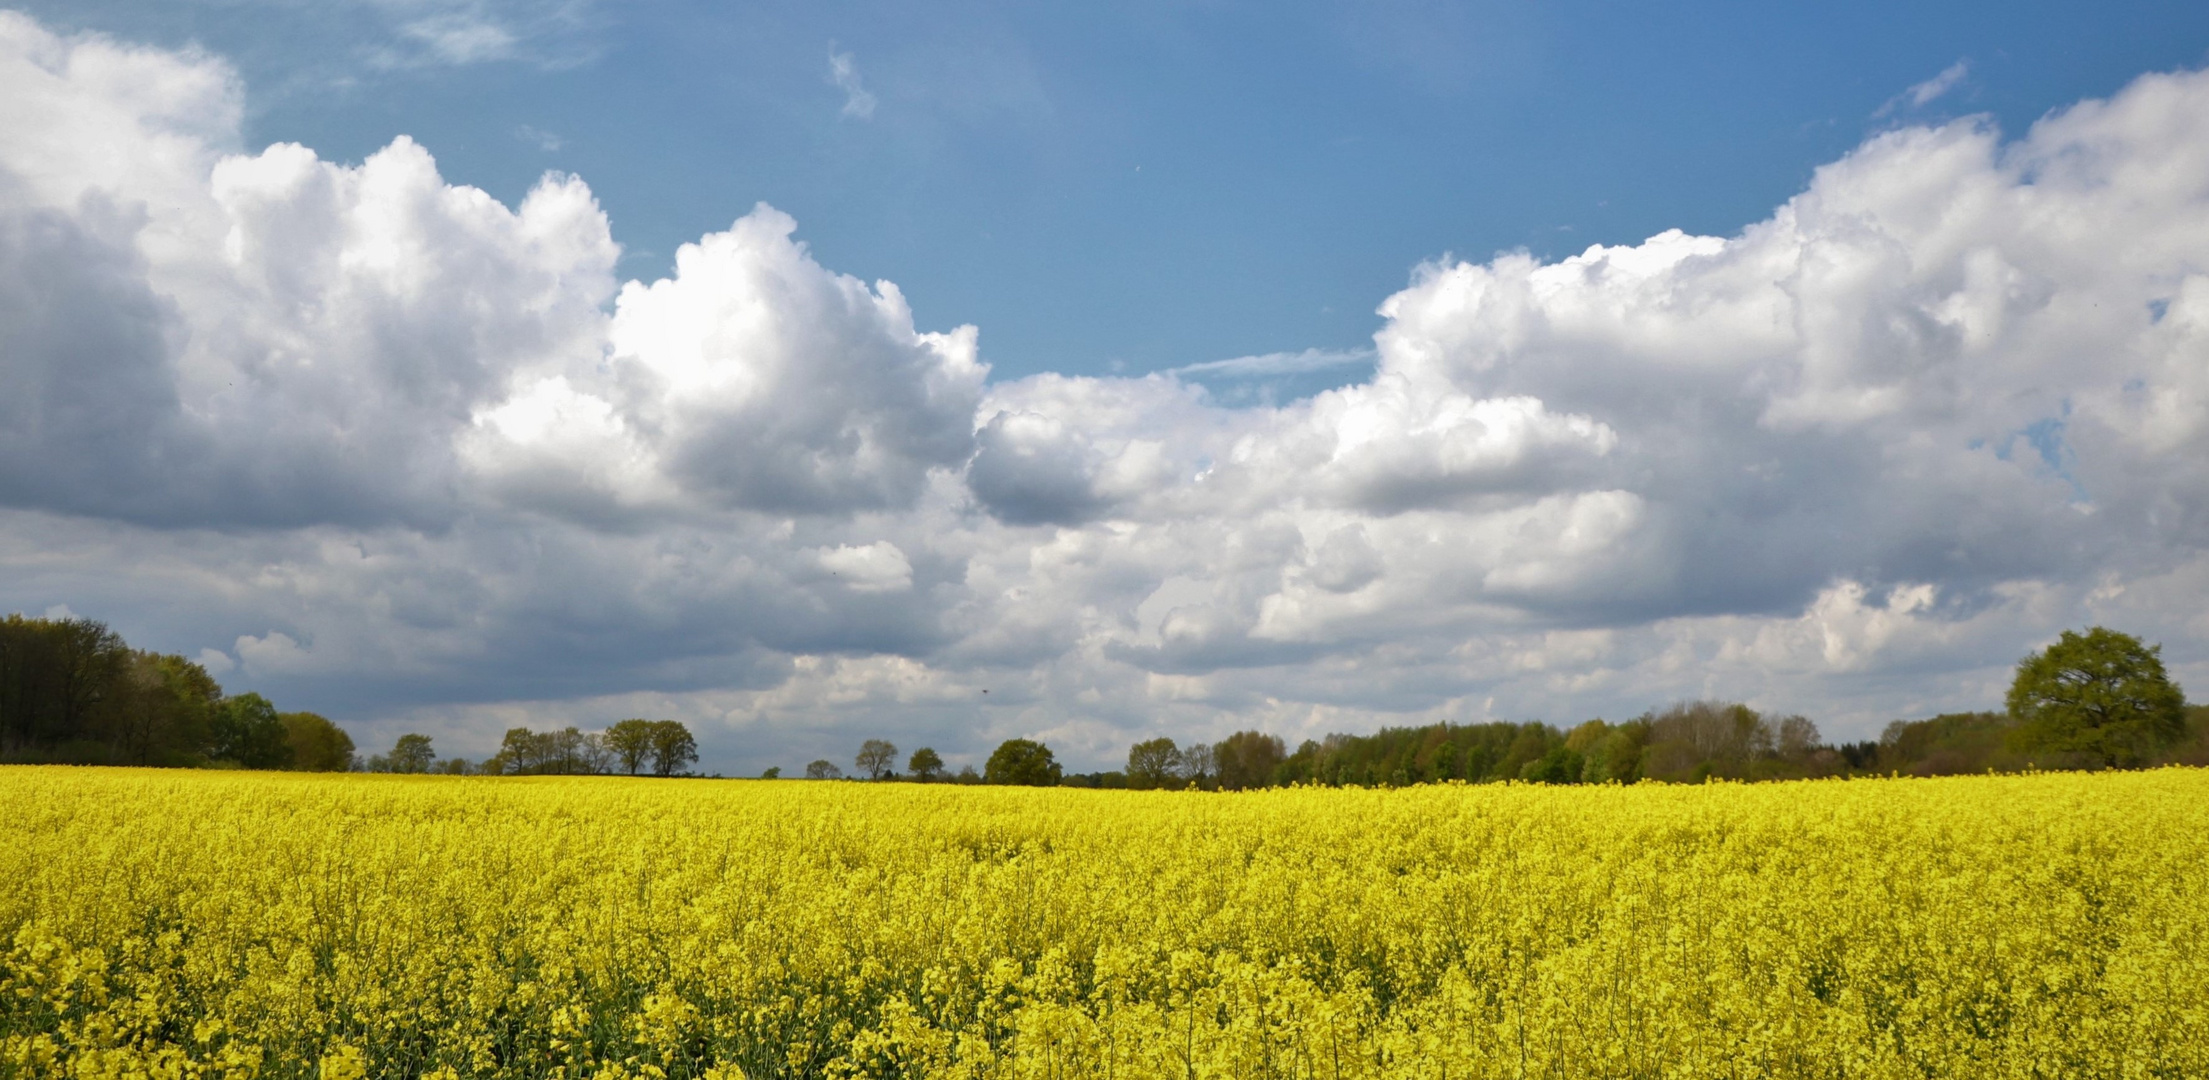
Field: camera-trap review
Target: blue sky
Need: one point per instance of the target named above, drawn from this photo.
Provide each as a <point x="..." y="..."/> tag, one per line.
<point x="1154" y="369"/>
<point x="1152" y="185"/>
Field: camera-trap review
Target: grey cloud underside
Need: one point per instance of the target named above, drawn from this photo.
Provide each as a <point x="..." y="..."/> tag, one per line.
<point x="404" y="448"/>
<point x="1041" y="476"/>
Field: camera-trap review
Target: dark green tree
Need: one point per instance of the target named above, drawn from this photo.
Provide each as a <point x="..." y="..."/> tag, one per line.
<point x="317" y="745"/>
<point x="1951" y="744"/>
<point x="521" y="753"/>
<point x="631" y="743"/>
<point x="925" y="764"/>
<point x="1021" y="761"/>
<point x="876" y="757"/>
<point x="823" y="769"/>
<point x="673" y="747"/>
<point x="1151" y="763"/>
<point x="55" y="674"/>
<point x="1445" y="762"/>
<point x="1561" y="765"/>
<point x="248" y="733"/>
<point x="1196" y="764"/>
<point x="412" y="753"/>
<point x="1247" y="759"/>
<point x="1616" y="754"/>
<point x="571" y="751"/>
<point x="2101" y="695"/>
<point x="162" y="711"/>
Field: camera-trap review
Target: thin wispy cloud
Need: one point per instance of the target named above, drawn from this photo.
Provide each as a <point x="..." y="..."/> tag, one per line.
<point x="843" y="73"/>
<point x="543" y="140"/>
<point x="1925" y="93"/>
<point x="550" y="34"/>
<point x="458" y="38"/>
<point x="1278" y="363"/>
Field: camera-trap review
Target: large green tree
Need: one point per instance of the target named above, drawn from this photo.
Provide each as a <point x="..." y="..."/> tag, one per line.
<point x="162" y="711"/>
<point x="248" y="733"/>
<point x="1022" y="761"/>
<point x="673" y="747"/>
<point x="876" y="757"/>
<point x="317" y="745"/>
<point x="925" y="764"/>
<point x="413" y="753"/>
<point x="631" y="742"/>
<point x="2100" y="695"/>
<point x="1151" y="763"/>
<point x="54" y="676"/>
<point x="1247" y="759"/>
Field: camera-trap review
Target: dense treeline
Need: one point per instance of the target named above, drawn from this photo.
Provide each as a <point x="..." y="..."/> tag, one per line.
<point x="1687" y="743"/>
<point x="660" y="747"/>
<point x="71" y="691"/>
<point x="2099" y="699"/>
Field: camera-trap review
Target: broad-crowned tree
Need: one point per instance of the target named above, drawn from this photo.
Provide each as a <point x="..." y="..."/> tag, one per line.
<point x="1247" y="759"/>
<point x="631" y="742"/>
<point x="2101" y="695"/>
<point x="876" y="756"/>
<point x="248" y="733"/>
<point x="1196" y="763"/>
<point x="412" y="753"/>
<point x="521" y="752"/>
<point x="672" y="747"/>
<point x="1021" y="761"/>
<point x="317" y="745"/>
<point x="1151" y="762"/>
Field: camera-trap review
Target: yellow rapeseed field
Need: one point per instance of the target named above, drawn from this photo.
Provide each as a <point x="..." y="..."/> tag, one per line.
<point x="212" y="924"/>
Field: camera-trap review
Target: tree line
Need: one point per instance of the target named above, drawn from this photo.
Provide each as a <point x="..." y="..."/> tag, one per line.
<point x="631" y="747"/>
<point x="72" y="692"/>
<point x="2099" y="699"/>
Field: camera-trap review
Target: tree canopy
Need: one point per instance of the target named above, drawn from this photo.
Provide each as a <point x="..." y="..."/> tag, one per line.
<point x="317" y="745"/>
<point x="249" y="733"/>
<point x="1021" y="761"/>
<point x="876" y="757"/>
<point x="413" y="753"/>
<point x="631" y="743"/>
<point x="2102" y="695"/>
<point x="1152" y="763"/>
<point x="1247" y="759"/>
<point x="673" y="748"/>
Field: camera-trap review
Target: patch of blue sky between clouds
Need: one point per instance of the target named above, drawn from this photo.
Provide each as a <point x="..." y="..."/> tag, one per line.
<point x="2046" y="437"/>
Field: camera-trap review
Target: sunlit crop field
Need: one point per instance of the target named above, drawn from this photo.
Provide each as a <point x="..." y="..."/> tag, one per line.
<point x="182" y="924"/>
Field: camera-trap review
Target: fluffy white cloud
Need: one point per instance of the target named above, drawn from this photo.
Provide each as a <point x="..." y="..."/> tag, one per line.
<point x="196" y="336"/>
<point x="776" y="384"/>
<point x="382" y="446"/>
